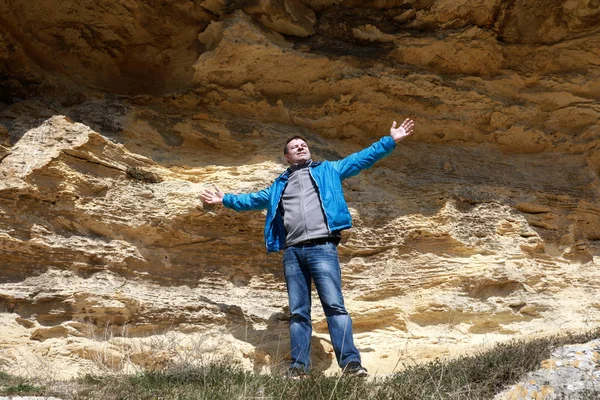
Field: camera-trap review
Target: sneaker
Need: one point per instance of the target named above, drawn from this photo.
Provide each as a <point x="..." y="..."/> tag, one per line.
<point x="296" y="373"/>
<point x="355" y="369"/>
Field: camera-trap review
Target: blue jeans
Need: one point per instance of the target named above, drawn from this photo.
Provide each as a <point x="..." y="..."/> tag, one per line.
<point x="319" y="262"/>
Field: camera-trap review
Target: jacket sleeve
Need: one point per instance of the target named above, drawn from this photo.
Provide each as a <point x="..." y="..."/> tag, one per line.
<point x="364" y="159"/>
<point x="246" y="202"/>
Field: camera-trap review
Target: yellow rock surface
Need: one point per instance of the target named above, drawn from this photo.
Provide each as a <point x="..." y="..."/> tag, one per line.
<point x="482" y="227"/>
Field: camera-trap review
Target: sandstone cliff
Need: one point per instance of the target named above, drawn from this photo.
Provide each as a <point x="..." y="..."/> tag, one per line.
<point x="114" y="116"/>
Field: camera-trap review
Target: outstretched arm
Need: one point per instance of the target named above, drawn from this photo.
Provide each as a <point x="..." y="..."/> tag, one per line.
<point x="405" y="129"/>
<point x="238" y="202"/>
<point x="364" y="159"/>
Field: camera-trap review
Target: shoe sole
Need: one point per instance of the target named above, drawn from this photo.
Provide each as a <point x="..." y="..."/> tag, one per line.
<point x="358" y="374"/>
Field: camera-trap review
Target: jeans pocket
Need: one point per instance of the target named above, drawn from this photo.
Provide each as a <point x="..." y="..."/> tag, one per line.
<point x="329" y="248"/>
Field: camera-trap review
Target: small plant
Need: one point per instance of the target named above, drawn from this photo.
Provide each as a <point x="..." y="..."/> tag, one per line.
<point x="143" y="175"/>
<point x="10" y="385"/>
<point x="22" y="388"/>
<point x="4" y="377"/>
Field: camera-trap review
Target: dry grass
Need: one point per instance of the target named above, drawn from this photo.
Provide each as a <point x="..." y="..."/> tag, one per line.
<point x="475" y="377"/>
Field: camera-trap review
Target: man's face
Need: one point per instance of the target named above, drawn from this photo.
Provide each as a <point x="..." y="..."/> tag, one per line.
<point x="298" y="152"/>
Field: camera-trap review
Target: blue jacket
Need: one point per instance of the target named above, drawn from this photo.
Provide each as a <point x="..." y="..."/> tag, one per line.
<point x="328" y="176"/>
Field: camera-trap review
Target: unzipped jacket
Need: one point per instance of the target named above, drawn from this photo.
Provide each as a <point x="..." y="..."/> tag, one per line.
<point x="327" y="176"/>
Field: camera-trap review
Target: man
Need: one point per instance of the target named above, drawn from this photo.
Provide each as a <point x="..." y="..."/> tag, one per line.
<point x="306" y="212"/>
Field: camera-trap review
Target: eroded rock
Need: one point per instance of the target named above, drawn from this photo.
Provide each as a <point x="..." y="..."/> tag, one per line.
<point x="571" y="373"/>
<point x="481" y="227"/>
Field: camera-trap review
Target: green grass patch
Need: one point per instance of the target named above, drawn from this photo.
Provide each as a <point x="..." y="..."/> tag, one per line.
<point x="479" y="376"/>
<point x="23" y="388"/>
<point x="231" y="382"/>
<point x="4" y="377"/>
<point x="14" y="385"/>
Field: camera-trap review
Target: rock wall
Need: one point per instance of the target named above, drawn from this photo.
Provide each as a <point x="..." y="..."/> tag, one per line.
<point x="483" y="226"/>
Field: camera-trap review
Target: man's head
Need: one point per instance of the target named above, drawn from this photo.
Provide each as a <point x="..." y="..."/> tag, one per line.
<point x="296" y="150"/>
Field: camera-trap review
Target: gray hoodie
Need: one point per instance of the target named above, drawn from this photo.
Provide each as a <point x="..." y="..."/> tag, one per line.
<point x="303" y="216"/>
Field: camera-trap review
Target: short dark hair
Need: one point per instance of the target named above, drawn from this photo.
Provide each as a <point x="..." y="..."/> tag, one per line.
<point x="285" y="149"/>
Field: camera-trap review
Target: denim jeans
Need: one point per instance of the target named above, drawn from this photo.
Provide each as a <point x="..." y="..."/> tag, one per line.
<point x="320" y="263"/>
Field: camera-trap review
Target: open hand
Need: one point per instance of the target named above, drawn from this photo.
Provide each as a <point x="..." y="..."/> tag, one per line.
<point x="405" y="129"/>
<point x="212" y="196"/>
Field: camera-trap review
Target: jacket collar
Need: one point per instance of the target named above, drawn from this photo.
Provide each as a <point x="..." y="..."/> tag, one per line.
<point x="296" y="167"/>
<point x="286" y="174"/>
